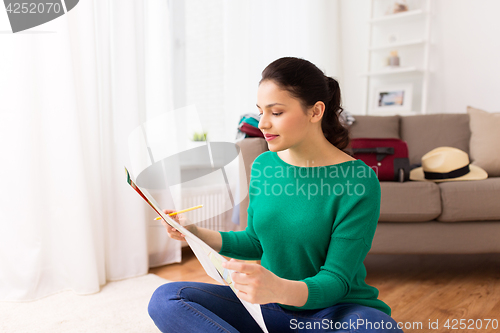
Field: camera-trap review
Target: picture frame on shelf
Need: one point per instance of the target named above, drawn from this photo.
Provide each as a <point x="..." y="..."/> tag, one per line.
<point x="392" y="98"/>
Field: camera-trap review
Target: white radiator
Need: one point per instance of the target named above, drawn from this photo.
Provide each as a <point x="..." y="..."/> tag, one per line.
<point x="214" y="200"/>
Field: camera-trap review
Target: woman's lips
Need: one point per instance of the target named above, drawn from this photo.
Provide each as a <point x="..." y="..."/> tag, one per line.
<point x="269" y="137"/>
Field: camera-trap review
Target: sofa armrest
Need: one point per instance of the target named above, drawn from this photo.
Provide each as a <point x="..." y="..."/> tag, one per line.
<point x="250" y="149"/>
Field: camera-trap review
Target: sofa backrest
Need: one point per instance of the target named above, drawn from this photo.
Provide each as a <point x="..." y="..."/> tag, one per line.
<point x="375" y="127"/>
<point x="422" y="133"/>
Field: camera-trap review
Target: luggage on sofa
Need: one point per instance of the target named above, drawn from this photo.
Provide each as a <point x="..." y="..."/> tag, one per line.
<point x="249" y="125"/>
<point x="387" y="157"/>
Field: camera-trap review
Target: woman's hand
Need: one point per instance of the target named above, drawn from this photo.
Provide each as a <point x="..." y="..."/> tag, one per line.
<point x="179" y="218"/>
<point x="255" y="284"/>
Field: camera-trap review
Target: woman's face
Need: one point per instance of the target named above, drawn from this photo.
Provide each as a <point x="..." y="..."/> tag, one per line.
<point x="282" y="119"/>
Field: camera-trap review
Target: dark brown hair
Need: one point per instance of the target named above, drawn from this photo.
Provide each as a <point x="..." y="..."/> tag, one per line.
<point x="306" y="82"/>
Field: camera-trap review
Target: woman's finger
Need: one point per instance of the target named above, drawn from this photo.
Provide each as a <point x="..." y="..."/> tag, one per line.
<point x="172" y="232"/>
<point x="241" y="278"/>
<point x="170" y="211"/>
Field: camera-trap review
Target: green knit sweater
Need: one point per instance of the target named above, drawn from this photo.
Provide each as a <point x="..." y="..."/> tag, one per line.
<point x="312" y="224"/>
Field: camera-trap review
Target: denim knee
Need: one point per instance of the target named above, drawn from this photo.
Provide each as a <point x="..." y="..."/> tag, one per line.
<point x="161" y="300"/>
<point x="373" y="320"/>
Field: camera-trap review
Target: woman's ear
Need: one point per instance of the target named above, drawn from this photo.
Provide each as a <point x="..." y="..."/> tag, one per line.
<point x="317" y="111"/>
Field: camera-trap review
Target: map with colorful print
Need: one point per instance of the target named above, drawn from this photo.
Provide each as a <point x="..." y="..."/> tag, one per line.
<point x="210" y="259"/>
<point x="224" y="273"/>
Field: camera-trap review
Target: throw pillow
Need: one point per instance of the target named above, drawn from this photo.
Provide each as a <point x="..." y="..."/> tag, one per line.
<point x="484" y="139"/>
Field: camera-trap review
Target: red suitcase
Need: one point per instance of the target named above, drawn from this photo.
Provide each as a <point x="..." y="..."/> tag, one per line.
<point x="387" y="157"/>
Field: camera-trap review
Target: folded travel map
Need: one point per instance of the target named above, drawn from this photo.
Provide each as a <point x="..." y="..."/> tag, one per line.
<point x="210" y="259"/>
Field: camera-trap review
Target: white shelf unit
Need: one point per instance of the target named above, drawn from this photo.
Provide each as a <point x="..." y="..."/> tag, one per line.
<point x="408" y="33"/>
<point x="398" y="16"/>
<point x="393" y="70"/>
<point x="394" y="45"/>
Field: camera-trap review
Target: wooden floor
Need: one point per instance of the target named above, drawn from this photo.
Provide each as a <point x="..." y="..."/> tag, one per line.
<point x="420" y="289"/>
<point x="189" y="269"/>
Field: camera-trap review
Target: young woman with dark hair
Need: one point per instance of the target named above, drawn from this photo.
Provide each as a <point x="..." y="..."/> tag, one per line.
<point x="312" y="216"/>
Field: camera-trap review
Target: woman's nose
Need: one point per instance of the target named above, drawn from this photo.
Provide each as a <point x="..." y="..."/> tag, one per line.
<point x="264" y="122"/>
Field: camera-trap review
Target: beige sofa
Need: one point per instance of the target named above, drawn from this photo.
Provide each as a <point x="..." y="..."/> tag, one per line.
<point x="420" y="217"/>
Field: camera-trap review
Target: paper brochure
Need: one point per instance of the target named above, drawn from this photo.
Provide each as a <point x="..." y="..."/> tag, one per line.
<point x="210" y="259"/>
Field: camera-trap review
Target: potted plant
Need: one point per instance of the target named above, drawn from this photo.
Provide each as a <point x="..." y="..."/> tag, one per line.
<point x="198" y="139"/>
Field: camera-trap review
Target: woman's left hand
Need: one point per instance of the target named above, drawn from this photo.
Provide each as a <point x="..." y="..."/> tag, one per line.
<point x="255" y="283"/>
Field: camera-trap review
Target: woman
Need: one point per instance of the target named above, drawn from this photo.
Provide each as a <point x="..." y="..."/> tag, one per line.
<point x="312" y="216"/>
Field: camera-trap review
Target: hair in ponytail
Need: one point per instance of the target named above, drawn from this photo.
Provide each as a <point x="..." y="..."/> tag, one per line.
<point x="333" y="129"/>
<point x="306" y="82"/>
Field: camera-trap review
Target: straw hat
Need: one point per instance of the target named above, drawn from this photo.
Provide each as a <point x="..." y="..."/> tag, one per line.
<point x="447" y="164"/>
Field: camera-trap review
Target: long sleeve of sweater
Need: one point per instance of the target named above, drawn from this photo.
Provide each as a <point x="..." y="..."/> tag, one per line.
<point x="243" y="245"/>
<point x="349" y="244"/>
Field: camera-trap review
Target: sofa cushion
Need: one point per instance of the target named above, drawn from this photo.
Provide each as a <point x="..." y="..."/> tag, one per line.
<point x="409" y="201"/>
<point x="484" y="140"/>
<point x="470" y="200"/>
<point x="435" y="237"/>
<point x="423" y="133"/>
<point x="375" y="127"/>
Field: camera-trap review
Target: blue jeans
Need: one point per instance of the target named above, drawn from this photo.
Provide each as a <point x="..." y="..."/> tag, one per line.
<point x="201" y="307"/>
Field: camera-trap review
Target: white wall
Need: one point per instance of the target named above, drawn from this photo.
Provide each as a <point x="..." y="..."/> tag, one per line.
<point x="465" y="55"/>
<point x="354" y="37"/>
<point x="226" y="51"/>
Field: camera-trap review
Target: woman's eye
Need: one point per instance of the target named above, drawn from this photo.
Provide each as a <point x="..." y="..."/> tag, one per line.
<point x="274" y="114"/>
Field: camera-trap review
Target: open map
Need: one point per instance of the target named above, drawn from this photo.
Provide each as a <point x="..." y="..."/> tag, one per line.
<point x="210" y="259"/>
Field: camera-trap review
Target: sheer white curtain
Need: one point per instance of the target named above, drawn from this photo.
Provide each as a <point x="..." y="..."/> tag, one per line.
<point x="71" y="92"/>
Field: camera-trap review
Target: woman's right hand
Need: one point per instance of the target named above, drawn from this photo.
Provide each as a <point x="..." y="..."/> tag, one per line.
<point x="174" y="233"/>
